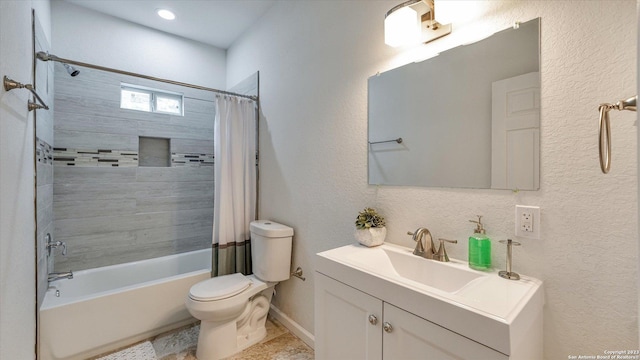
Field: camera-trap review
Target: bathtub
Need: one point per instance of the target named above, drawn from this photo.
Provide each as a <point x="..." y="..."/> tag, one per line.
<point x="104" y="309"/>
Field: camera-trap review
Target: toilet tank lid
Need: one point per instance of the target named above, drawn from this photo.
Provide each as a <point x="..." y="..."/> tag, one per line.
<point x="268" y="228"/>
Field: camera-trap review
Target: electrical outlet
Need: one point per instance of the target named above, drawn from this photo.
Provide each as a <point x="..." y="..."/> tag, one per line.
<point x="528" y="221"/>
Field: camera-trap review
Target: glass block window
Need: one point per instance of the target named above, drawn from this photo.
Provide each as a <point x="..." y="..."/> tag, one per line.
<point x="150" y="100"/>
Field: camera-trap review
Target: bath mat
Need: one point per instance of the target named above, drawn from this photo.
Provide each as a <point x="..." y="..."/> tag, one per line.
<point x="142" y="351"/>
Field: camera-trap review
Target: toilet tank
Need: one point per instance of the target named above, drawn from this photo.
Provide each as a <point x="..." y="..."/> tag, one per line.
<point x="271" y="250"/>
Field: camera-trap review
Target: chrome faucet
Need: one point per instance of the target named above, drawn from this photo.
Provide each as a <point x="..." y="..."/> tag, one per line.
<point x="60" y="275"/>
<point x="428" y="249"/>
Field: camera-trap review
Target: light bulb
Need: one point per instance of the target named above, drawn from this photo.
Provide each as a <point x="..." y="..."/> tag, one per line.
<point x="402" y="27"/>
<point x="166" y="14"/>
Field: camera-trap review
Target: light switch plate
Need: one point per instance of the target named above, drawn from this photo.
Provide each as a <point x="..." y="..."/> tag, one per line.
<point x="528" y="221"/>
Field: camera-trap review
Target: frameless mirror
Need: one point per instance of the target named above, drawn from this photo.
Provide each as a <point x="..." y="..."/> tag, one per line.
<point x="467" y="118"/>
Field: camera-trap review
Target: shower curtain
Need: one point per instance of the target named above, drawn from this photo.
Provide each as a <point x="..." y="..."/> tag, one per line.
<point x="235" y="184"/>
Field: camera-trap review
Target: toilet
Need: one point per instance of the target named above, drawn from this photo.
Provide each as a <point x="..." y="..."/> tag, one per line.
<point x="233" y="308"/>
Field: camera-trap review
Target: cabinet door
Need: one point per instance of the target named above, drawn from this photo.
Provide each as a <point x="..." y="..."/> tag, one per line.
<point x="343" y="327"/>
<point x="412" y="337"/>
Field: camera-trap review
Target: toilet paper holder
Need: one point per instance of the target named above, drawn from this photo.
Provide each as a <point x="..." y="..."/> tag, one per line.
<point x="298" y="273"/>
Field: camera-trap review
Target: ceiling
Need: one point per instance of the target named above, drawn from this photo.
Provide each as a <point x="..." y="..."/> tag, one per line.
<point x="214" y="22"/>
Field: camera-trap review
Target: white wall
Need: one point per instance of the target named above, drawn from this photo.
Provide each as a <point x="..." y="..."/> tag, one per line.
<point x="314" y="59"/>
<point x="43" y="12"/>
<point x="17" y="221"/>
<point x="85" y="35"/>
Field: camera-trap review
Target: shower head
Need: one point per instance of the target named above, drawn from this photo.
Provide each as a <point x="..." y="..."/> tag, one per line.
<point x="71" y="70"/>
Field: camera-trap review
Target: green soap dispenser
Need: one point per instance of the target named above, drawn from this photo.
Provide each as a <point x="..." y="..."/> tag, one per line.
<point x="479" y="247"/>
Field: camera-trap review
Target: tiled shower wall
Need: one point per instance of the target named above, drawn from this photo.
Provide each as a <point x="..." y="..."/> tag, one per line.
<point x="107" y="208"/>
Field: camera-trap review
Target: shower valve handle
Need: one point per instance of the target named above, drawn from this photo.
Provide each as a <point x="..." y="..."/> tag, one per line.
<point x="56" y="244"/>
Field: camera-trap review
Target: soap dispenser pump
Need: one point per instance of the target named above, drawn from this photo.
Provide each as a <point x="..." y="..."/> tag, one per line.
<point x="479" y="247"/>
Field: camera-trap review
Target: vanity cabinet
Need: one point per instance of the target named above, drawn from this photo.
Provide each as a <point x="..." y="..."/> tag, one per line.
<point x="386" y="303"/>
<point x="351" y="324"/>
<point x="348" y="322"/>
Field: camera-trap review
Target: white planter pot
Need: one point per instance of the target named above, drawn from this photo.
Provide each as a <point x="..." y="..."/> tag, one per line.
<point x="371" y="237"/>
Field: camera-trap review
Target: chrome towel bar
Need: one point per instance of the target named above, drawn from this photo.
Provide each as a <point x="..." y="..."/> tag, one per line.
<point x="605" y="129"/>
<point x="12" y="84"/>
<point x="398" y="140"/>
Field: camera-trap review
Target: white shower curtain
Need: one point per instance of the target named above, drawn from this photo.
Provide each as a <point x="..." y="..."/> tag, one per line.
<point x="235" y="184"/>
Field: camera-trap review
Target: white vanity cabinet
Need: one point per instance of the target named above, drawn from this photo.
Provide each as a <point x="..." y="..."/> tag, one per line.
<point x="351" y="324"/>
<point x="384" y="303"/>
<point x="348" y="322"/>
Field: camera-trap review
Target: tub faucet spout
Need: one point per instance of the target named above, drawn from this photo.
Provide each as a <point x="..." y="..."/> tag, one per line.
<point x="60" y="275"/>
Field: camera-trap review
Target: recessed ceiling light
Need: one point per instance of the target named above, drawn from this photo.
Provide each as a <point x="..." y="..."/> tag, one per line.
<point x="166" y="14"/>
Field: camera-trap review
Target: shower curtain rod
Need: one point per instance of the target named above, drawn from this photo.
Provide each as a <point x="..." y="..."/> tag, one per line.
<point x="41" y="55"/>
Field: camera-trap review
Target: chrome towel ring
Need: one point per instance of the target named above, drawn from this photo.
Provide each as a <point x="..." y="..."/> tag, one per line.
<point x="605" y="129"/>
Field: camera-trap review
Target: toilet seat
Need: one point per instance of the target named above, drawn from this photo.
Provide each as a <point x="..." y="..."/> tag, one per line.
<point x="219" y="288"/>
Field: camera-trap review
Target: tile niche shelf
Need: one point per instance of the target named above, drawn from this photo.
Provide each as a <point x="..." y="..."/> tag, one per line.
<point x="154" y="152"/>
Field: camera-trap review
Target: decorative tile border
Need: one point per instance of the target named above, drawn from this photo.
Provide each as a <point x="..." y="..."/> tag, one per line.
<point x="191" y="159"/>
<point x="93" y="158"/>
<point x="112" y="158"/>
<point x="44" y="152"/>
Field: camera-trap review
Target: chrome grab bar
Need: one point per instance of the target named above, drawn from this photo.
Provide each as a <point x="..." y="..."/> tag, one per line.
<point x="604" y="146"/>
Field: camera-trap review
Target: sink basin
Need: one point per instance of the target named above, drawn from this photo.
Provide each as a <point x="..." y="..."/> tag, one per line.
<point x="400" y="264"/>
<point x="432" y="273"/>
<point x="451" y="281"/>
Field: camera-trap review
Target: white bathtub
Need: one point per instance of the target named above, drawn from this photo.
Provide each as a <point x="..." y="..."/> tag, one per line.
<point x="103" y="309"/>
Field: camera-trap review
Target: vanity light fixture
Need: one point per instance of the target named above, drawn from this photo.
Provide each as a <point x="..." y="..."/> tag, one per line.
<point x="166" y="14"/>
<point x="412" y="22"/>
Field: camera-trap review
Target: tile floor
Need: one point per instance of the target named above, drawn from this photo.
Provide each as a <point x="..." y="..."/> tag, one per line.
<point x="180" y="344"/>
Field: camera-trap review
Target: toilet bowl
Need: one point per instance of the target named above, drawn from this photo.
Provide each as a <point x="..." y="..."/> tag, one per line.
<point x="233" y="308"/>
<point x="229" y="322"/>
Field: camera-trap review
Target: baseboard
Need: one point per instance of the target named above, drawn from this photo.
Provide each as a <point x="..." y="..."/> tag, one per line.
<point x="293" y="326"/>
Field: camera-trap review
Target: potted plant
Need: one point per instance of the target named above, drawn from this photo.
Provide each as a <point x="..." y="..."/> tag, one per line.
<point x="370" y="228"/>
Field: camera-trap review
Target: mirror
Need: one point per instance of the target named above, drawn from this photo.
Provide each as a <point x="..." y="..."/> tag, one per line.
<point x="468" y="118"/>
